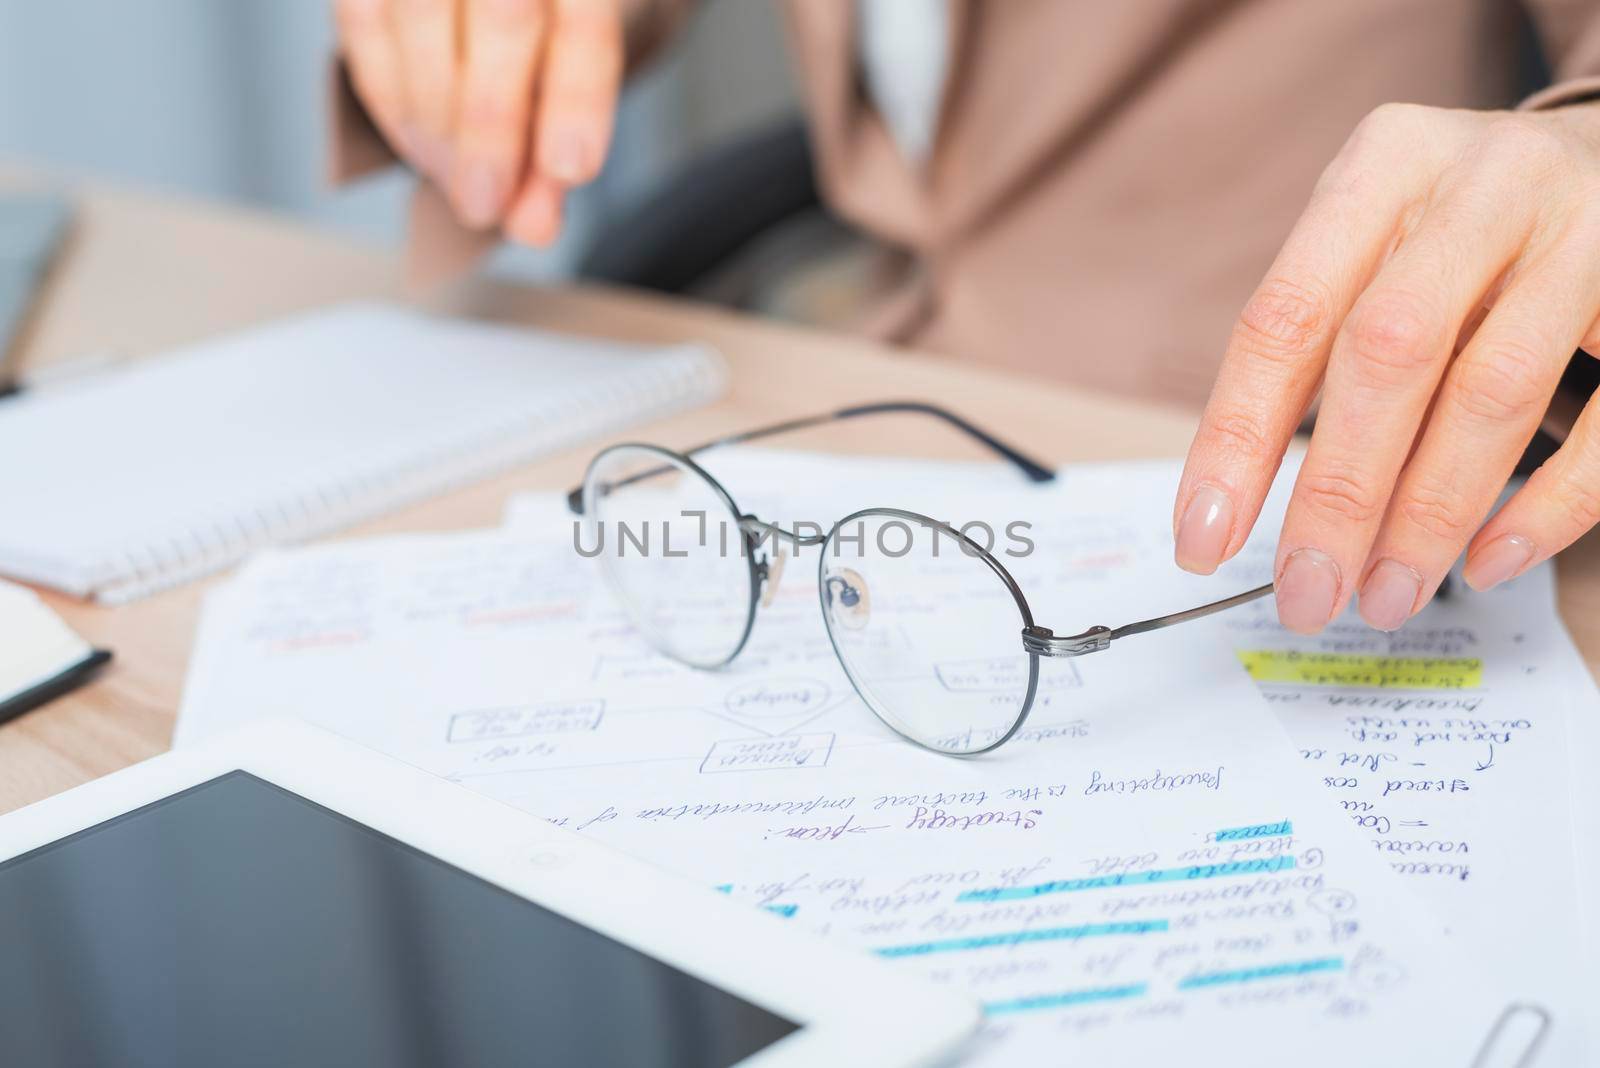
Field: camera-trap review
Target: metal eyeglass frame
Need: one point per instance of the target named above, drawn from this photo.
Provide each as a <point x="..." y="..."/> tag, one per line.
<point x="1037" y="641"/>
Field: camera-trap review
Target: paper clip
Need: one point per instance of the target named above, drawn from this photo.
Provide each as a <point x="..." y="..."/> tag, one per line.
<point x="1500" y="1048"/>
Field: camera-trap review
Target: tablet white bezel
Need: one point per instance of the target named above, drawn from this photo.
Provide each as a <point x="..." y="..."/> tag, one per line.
<point x="852" y="1008"/>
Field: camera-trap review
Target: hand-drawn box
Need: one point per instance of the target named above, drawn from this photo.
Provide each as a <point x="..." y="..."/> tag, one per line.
<point x="769" y="752"/>
<point x="518" y="721"/>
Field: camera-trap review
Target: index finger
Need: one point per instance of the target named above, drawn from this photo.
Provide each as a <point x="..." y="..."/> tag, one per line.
<point x="502" y="41"/>
<point x="578" y="90"/>
<point x="426" y="39"/>
<point x="1275" y="359"/>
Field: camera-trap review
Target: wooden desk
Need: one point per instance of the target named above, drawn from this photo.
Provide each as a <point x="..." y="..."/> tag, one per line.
<point x="142" y="274"/>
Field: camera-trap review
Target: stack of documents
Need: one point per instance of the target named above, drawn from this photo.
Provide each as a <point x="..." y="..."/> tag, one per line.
<point x="1373" y="862"/>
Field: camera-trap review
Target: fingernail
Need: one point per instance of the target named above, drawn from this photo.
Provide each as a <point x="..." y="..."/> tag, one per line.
<point x="1390" y="595"/>
<point x="1497" y="561"/>
<point x="566" y="156"/>
<point x="482" y="193"/>
<point x="1204" y="530"/>
<point x="1307" y="590"/>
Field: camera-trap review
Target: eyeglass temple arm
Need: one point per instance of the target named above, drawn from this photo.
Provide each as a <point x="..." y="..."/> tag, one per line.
<point x="1031" y="468"/>
<point x="1044" y="642"/>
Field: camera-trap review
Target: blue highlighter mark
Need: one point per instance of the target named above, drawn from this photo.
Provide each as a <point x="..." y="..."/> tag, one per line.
<point x="1259" y="830"/>
<point x="1266" y="971"/>
<point x="1064" y="1000"/>
<point x="1262" y="866"/>
<point x="1017" y="938"/>
<point x="782" y="910"/>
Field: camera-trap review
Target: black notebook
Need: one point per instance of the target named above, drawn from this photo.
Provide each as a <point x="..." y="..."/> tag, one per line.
<point x="40" y="656"/>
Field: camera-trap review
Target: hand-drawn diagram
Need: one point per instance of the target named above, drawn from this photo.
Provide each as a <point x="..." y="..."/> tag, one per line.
<point x="776" y="709"/>
<point x="550" y="717"/>
<point x="721" y="722"/>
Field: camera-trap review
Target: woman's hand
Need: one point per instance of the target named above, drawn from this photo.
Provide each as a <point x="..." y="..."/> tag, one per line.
<point x="1435" y="288"/>
<point x="506" y="104"/>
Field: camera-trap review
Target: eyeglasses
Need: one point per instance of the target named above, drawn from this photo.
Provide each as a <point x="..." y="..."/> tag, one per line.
<point x="930" y="628"/>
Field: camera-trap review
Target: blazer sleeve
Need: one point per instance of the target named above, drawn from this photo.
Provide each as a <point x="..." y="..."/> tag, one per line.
<point x="650" y="25"/>
<point x="1569" y="30"/>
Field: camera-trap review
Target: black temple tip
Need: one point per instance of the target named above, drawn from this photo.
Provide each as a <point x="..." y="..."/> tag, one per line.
<point x="1035" y="472"/>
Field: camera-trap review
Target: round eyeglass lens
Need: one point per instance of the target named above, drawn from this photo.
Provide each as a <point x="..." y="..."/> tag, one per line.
<point x="669" y="543"/>
<point x="929" y="633"/>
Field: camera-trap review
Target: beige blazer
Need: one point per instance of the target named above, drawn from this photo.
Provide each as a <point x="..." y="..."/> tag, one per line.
<point x="1110" y="178"/>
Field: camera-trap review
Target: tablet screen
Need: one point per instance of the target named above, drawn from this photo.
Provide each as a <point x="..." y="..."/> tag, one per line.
<point x="237" y="923"/>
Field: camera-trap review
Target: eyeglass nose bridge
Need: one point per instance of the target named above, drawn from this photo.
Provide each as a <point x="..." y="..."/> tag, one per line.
<point x="759" y="530"/>
<point x="769" y="570"/>
<point x="770" y="573"/>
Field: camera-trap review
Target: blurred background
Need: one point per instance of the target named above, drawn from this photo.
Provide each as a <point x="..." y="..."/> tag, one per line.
<point x="225" y="101"/>
<point x="708" y="189"/>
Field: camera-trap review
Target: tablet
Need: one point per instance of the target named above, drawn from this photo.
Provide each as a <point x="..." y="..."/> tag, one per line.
<point x="281" y="896"/>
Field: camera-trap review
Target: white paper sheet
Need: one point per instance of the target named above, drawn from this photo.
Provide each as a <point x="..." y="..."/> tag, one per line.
<point x="1460" y="773"/>
<point x="1583" y="703"/>
<point x="1140" y="873"/>
<point x="1461" y="777"/>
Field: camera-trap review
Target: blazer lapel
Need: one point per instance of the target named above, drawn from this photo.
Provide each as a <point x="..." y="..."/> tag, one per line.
<point x="857" y="161"/>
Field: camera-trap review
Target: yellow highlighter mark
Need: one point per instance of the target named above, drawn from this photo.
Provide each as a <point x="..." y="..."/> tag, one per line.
<point x="1354" y="669"/>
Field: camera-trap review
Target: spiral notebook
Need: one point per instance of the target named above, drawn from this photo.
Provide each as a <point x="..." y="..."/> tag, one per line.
<point x="178" y="466"/>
